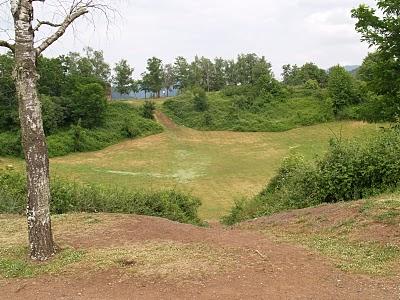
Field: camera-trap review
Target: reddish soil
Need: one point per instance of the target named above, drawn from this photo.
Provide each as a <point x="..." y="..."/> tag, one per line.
<point x="266" y="269"/>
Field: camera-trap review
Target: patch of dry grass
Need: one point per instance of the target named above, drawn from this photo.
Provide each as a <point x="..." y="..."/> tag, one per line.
<point x="166" y="260"/>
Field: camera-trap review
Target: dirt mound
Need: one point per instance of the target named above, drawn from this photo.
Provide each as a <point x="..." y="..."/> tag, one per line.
<point x="158" y="259"/>
<point x="373" y="220"/>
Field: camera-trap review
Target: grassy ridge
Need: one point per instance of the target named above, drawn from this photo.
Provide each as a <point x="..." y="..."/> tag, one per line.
<point x="122" y="121"/>
<point x="233" y="113"/>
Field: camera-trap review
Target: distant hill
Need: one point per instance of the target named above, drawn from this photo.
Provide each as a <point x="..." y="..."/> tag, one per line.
<point x="352" y="69"/>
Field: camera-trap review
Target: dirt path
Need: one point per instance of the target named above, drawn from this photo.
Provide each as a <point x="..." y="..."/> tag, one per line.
<point x="262" y="269"/>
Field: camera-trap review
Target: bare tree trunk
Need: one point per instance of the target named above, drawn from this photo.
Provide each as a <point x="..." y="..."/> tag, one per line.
<point x="33" y="139"/>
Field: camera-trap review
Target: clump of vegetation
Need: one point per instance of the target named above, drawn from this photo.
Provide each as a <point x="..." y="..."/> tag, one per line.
<point x="121" y="121"/>
<point x="70" y="197"/>
<point x="350" y="170"/>
<point x="148" y="110"/>
<point x="231" y="110"/>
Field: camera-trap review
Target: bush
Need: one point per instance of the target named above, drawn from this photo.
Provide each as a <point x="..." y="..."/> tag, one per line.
<point x="70" y="197"/>
<point x="148" y="109"/>
<point x="200" y="99"/>
<point x="348" y="171"/>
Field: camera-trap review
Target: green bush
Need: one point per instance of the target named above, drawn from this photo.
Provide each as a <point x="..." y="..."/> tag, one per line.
<point x="70" y="197"/>
<point x="348" y="171"/>
<point x="89" y="104"/>
<point x="200" y="99"/>
<point x="148" y="109"/>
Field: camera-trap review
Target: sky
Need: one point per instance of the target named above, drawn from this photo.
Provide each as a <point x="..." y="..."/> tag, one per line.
<point x="285" y="31"/>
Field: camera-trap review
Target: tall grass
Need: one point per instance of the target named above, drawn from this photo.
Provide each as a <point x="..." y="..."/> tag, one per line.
<point x="70" y="197"/>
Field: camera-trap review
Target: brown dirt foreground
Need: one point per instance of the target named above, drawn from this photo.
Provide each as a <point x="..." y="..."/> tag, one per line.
<point x="255" y="267"/>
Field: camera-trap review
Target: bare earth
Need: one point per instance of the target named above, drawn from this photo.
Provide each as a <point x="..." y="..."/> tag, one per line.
<point x="261" y="269"/>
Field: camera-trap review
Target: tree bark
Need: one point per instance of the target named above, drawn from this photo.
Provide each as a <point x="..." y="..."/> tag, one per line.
<point x="41" y="242"/>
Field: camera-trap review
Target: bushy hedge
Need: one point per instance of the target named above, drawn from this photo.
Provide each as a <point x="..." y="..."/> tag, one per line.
<point x="350" y="170"/>
<point x="121" y="121"/>
<point x="70" y="197"/>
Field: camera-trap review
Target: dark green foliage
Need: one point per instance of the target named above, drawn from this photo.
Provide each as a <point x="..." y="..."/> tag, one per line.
<point x="148" y="110"/>
<point x="341" y="88"/>
<point x="89" y="105"/>
<point x="8" y="100"/>
<point x="121" y="121"/>
<point x="380" y="27"/>
<point x="348" y="171"/>
<point x="10" y="144"/>
<point x="294" y="75"/>
<point x="70" y="197"/>
<point x="53" y="113"/>
<point x="200" y="99"/>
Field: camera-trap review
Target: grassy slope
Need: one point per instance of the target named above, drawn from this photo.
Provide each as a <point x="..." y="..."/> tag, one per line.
<point x="296" y="111"/>
<point x="217" y="167"/>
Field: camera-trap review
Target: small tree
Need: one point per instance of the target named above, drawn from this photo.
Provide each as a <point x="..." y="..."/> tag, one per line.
<point x="148" y="109"/>
<point x="340" y="88"/>
<point x="122" y="80"/>
<point x="155" y="75"/>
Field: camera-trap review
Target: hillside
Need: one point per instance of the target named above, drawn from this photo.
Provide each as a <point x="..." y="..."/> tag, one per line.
<point x="240" y="113"/>
<point x="119" y="256"/>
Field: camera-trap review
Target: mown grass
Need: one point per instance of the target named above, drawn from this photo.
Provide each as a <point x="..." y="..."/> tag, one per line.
<point x="216" y="167"/>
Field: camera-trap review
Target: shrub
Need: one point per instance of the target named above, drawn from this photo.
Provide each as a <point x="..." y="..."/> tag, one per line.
<point x="148" y="109"/>
<point x="200" y="99"/>
<point x="348" y="171"/>
<point x="70" y="197"/>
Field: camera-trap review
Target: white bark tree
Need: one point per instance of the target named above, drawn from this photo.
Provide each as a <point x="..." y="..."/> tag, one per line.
<point x="26" y="50"/>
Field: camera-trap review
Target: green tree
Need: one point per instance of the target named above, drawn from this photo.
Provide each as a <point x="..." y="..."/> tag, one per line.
<point x="340" y="88"/>
<point x="182" y="73"/>
<point x="89" y="105"/>
<point x="381" y="28"/>
<point x="169" y="78"/>
<point x="122" y="80"/>
<point x="155" y="75"/>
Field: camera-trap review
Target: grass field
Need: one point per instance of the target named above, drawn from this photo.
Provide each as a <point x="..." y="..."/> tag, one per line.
<point x="218" y="167"/>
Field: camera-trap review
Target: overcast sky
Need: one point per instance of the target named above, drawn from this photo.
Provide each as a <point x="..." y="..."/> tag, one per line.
<point x="285" y="31"/>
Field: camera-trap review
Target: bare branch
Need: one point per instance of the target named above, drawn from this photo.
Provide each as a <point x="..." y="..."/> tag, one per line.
<point x="7" y="45"/>
<point x="40" y="23"/>
<point x="75" y="13"/>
